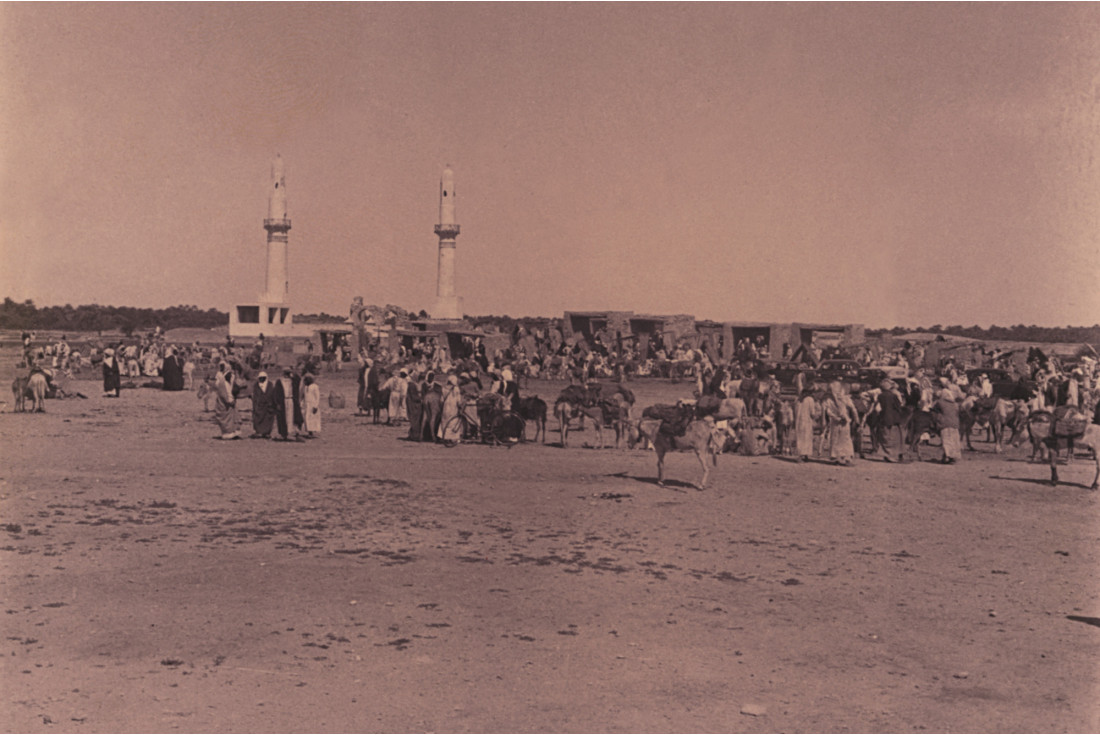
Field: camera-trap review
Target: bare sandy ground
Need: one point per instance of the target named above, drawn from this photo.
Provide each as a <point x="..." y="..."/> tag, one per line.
<point x="155" y="579"/>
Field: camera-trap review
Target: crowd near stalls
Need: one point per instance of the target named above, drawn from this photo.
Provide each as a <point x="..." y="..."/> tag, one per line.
<point x="834" y="402"/>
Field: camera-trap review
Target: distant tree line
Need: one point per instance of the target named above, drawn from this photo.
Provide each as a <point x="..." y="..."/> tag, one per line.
<point x="96" y="318"/>
<point x="127" y="319"/>
<point x="322" y="318"/>
<point x="1016" y="333"/>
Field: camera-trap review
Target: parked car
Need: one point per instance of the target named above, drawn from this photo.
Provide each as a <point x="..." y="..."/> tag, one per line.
<point x="845" y="370"/>
<point x="1002" y="381"/>
<point x="787" y="372"/>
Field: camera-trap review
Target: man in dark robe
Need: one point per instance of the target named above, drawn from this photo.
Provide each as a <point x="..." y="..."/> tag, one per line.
<point x="288" y="405"/>
<point x="414" y="407"/>
<point x="888" y="424"/>
<point x="361" y="402"/>
<point x="372" y="379"/>
<point x="111" y="375"/>
<point x="263" y="407"/>
<point x="172" y="371"/>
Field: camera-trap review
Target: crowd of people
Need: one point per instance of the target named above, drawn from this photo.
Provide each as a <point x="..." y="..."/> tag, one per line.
<point x="830" y="419"/>
<point x="424" y="386"/>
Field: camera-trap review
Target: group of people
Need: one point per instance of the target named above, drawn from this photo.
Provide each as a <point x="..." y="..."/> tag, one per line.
<point x="289" y="406"/>
<point x="428" y="399"/>
<point x="425" y="387"/>
<point x="828" y="420"/>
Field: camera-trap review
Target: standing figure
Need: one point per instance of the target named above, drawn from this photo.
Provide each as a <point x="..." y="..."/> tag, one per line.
<point x="890" y="418"/>
<point x="414" y="407"/>
<point x="431" y="399"/>
<point x="225" y="405"/>
<point x="364" y="366"/>
<point x="311" y="406"/>
<point x="112" y="380"/>
<point x="452" y="400"/>
<point x="806" y="417"/>
<point x="372" y="380"/>
<point x="841" y="415"/>
<point x="947" y="410"/>
<point x="172" y="371"/>
<point x="288" y="407"/>
<point x="263" y="407"/>
<point x="189" y="372"/>
<point x="398" y="386"/>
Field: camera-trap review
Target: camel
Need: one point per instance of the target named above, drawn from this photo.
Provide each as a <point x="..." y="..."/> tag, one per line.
<point x="699" y="437"/>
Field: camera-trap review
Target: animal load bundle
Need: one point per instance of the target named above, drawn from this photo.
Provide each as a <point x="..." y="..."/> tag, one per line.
<point x="626" y="393"/>
<point x="1068" y="421"/>
<point x="488" y="405"/>
<point x="985" y="404"/>
<point x="580" y="395"/>
<point x="707" y="405"/>
<point x="674" y="419"/>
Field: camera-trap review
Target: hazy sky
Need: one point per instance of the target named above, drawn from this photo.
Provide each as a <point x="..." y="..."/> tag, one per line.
<point x="888" y="164"/>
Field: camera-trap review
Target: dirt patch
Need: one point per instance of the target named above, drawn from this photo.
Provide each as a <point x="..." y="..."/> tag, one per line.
<point x="155" y="580"/>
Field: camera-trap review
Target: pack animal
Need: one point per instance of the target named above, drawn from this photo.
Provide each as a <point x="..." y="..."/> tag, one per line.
<point x="919" y="424"/>
<point x="995" y="415"/>
<point x="533" y="409"/>
<point x="754" y="392"/>
<point x="430" y="413"/>
<point x="565" y="411"/>
<point x="1070" y="429"/>
<point x="34" y="387"/>
<point x="699" y="436"/>
<point x="206" y="394"/>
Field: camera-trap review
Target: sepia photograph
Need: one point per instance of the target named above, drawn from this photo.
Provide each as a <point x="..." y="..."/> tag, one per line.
<point x="550" y="367"/>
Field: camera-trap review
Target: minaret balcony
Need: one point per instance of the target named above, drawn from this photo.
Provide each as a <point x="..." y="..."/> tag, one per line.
<point x="447" y="232"/>
<point x="277" y="224"/>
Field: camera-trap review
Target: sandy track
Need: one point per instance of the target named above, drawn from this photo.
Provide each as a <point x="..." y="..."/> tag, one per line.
<point x="155" y="579"/>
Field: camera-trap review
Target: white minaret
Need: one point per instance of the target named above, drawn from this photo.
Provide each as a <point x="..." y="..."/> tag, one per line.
<point x="277" y="226"/>
<point x="447" y="305"/>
